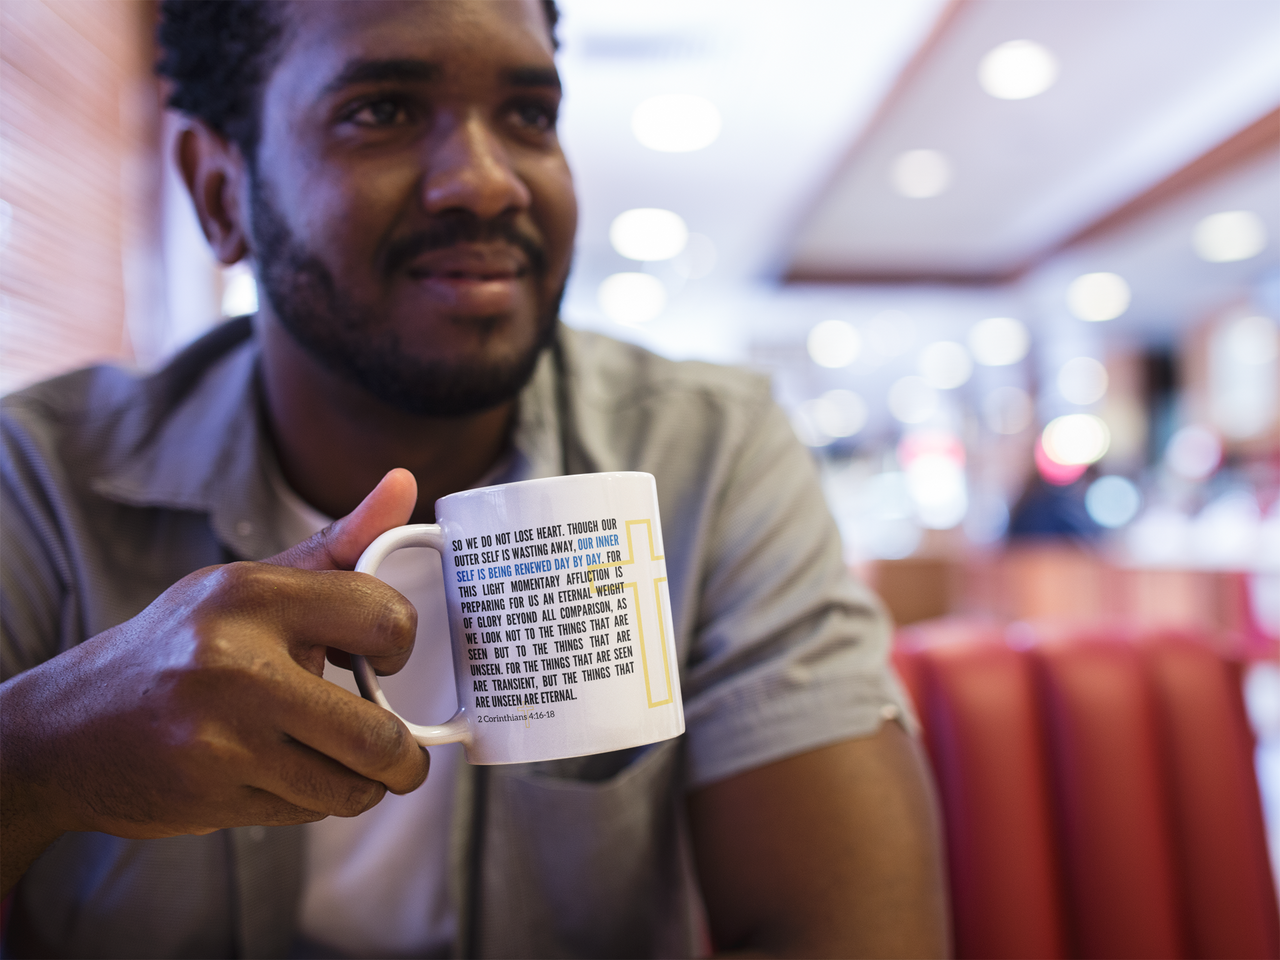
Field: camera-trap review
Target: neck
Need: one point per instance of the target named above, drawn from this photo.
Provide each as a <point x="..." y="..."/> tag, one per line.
<point x="335" y="442"/>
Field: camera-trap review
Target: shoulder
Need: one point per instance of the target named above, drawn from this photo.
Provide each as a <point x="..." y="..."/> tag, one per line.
<point x="101" y="415"/>
<point x="621" y="373"/>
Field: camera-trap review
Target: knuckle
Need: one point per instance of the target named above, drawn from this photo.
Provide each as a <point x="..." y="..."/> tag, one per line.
<point x="382" y="739"/>
<point x="359" y="797"/>
<point x="395" y="622"/>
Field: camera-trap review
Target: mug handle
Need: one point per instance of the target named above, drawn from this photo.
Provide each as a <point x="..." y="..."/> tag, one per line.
<point x="456" y="728"/>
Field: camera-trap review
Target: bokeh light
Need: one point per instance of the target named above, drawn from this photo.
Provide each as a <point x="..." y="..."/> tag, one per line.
<point x="648" y="233"/>
<point x="1112" y="501"/>
<point x="999" y="341"/>
<point x="912" y="400"/>
<point x="676" y="123"/>
<point x="840" y="413"/>
<point x="1059" y="474"/>
<point x="1076" y="439"/>
<point x="920" y="174"/>
<point x="632" y="298"/>
<point x="1082" y="381"/>
<point x="1229" y="236"/>
<point x="1098" y="296"/>
<point x="834" y="344"/>
<point x="1008" y="410"/>
<point x="1193" y="452"/>
<point x="945" y="365"/>
<point x="1017" y="70"/>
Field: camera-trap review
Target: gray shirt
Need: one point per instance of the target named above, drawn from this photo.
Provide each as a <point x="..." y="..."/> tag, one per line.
<point x="116" y="485"/>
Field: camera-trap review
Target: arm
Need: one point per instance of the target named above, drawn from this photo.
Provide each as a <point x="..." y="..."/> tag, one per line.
<point x="831" y="853"/>
<point x="208" y="709"/>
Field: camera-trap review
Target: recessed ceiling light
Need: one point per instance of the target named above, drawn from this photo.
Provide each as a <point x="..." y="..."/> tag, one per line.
<point x="648" y="233"/>
<point x="632" y="297"/>
<point x="999" y="341"/>
<point x="834" y="344"/>
<point x="1098" y="296"/>
<point x="920" y="174"/>
<point x="1017" y="70"/>
<point x="1226" y="237"/>
<point x="676" y="123"/>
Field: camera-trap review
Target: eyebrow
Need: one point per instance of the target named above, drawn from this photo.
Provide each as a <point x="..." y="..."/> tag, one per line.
<point x="422" y="71"/>
<point x="533" y="77"/>
<point x="374" y="71"/>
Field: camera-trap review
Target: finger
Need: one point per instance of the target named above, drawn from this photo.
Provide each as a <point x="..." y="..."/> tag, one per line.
<point x="339" y="545"/>
<point x="313" y="610"/>
<point x="359" y="735"/>
<point x="309" y="780"/>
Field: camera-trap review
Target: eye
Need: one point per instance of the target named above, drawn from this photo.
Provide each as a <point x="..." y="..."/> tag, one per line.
<point x="383" y="112"/>
<point x="535" y="116"/>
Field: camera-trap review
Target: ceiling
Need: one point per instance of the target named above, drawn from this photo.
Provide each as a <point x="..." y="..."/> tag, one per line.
<point x="818" y="98"/>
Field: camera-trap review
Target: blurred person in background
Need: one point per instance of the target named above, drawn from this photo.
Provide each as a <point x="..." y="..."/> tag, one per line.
<point x="173" y="584"/>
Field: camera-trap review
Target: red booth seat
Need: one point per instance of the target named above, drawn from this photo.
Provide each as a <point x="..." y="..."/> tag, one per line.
<point x="1098" y="793"/>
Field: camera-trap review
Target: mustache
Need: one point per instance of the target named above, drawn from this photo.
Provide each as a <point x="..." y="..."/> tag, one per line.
<point x="465" y="227"/>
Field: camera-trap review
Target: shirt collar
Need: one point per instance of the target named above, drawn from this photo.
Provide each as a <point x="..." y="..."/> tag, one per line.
<point x="210" y="452"/>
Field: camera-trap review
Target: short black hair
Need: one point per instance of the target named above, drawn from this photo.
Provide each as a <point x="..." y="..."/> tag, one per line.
<point x="218" y="55"/>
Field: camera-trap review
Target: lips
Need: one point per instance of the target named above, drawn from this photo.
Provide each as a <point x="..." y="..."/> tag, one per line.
<point x="472" y="278"/>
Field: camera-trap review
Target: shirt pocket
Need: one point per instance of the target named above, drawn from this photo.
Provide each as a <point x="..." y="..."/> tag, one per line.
<point x="589" y="858"/>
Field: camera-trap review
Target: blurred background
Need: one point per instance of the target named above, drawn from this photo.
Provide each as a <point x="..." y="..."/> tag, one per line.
<point x="1013" y="267"/>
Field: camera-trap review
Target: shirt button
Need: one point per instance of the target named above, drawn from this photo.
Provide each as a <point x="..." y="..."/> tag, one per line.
<point x="244" y="528"/>
<point x="257" y="834"/>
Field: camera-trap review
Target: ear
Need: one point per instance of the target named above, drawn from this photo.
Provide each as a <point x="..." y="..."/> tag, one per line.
<point x="217" y="178"/>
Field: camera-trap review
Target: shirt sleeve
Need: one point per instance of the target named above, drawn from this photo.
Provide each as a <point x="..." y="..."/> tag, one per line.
<point x="35" y="603"/>
<point x="791" y="653"/>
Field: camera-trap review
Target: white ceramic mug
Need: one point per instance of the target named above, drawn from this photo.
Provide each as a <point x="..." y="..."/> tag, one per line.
<point x="559" y="616"/>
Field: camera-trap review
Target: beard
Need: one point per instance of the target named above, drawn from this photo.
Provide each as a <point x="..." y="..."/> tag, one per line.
<point x="348" y="338"/>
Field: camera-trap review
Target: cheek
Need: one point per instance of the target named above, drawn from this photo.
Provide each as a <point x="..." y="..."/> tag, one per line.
<point x="557" y="213"/>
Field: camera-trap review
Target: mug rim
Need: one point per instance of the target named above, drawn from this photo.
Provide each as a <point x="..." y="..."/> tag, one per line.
<point x="537" y="481"/>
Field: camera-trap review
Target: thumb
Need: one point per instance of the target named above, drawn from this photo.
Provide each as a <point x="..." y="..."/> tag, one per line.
<point x="339" y="545"/>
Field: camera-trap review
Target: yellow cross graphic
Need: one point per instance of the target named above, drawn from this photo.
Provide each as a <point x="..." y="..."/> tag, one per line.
<point x="653" y="647"/>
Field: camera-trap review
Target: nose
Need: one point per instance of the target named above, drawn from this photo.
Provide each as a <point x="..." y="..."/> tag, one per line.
<point x="470" y="169"/>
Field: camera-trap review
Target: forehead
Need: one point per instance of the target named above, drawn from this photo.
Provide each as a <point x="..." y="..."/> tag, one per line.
<point x="323" y="36"/>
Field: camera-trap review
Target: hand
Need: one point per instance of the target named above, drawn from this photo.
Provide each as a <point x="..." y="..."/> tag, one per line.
<point x="208" y="709"/>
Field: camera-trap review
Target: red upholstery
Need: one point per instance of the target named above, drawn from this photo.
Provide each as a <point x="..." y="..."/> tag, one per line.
<point x="1098" y="794"/>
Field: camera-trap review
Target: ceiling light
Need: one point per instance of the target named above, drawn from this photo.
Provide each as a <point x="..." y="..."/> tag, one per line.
<point x="1226" y="237"/>
<point x="999" y="341"/>
<point x="676" y="123"/>
<point x="920" y="174"/>
<point x="1082" y="381"/>
<point x="834" y="344"/>
<point x="945" y="365"/>
<point x="1076" y="439"/>
<point x="1007" y="410"/>
<point x="648" y="234"/>
<point x="1112" y="501"/>
<point x="632" y="297"/>
<point x="1017" y="70"/>
<point x="912" y="400"/>
<point x="1098" y="296"/>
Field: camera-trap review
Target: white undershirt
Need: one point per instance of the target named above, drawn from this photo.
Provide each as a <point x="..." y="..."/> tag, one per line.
<point x="377" y="884"/>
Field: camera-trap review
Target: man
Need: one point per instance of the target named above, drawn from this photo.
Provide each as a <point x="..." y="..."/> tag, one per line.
<point x="392" y="169"/>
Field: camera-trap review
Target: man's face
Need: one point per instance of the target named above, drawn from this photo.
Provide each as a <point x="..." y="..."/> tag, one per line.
<point x="412" y="212"/>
